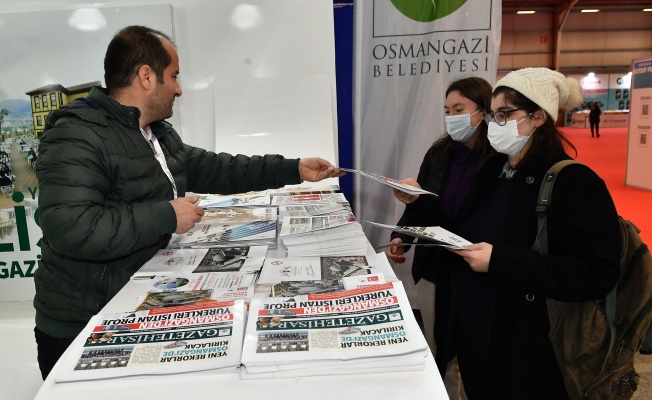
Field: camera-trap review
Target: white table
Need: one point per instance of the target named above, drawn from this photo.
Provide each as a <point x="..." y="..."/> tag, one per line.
<point x="426" y="384"/>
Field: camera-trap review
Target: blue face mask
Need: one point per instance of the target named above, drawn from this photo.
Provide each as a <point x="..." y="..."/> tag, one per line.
<point x="459" y="127"/>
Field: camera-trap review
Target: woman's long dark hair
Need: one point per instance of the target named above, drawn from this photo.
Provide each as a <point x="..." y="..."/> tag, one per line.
<point x="477" y="90"/>
<point x="546" y="140"/>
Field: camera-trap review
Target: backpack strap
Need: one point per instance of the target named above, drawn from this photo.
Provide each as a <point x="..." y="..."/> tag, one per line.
<point x="541" y="243"/>
<point x="543" y="204"/>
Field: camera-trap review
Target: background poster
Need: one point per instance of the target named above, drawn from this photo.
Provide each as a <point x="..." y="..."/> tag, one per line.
<point x="41" y="49"/>
<point x="407" y="53"/>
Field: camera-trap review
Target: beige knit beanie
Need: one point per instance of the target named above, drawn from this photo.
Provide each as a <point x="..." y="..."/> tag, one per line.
<point x="549" y="89"/>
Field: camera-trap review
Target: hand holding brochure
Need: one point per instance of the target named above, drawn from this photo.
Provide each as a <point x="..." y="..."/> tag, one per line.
<point x="433" y="233"/>
<point x="390" y="182"/>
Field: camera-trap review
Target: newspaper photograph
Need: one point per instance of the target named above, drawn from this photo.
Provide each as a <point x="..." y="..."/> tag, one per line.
<point x="296" y="288"/>
<point x="343" y="266"/>
<point x="158" y="341"/>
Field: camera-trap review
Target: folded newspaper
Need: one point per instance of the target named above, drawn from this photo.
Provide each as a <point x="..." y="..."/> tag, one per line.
<point x="393" y="183"/>
<point x="159" y="341"/>
<point x="333" y="333"/>
<point x="239" y="214"/>
<point x="435" y="234"/>
<point x="217" y="259"/>
<point x="316" y="198"/>
<point x="277" y="270"/>
<point x="209" y="234"/>
<point x="307" y="210"/>
<point x="183" y="289"/>
<point x="234" y="200"/>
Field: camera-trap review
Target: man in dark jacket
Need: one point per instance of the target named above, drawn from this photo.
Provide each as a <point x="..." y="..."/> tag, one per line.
<point x="112" y="178"/>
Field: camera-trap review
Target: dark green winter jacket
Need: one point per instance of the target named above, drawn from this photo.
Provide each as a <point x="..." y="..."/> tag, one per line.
<point x="104" y="202"/>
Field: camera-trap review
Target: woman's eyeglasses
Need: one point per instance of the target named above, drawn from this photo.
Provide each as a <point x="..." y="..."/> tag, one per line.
<point x="500" y="116"/>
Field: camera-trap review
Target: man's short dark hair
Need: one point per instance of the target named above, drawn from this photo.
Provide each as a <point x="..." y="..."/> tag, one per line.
<point x="131" y="48"/>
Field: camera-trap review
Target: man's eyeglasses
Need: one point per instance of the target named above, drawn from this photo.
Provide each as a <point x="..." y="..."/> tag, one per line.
<point x="500" y="116"/>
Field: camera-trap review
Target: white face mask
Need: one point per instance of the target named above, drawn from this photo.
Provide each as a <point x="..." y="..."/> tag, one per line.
<point x="459" y="126"/>
<point x="505" y="139"/>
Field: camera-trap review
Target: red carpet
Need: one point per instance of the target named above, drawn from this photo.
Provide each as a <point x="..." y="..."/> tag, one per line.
<point x="607" y="156"/>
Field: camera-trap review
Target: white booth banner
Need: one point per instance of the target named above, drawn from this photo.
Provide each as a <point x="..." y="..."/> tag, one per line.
<point x="639" y="152"/>
<point x="407" y="53"/>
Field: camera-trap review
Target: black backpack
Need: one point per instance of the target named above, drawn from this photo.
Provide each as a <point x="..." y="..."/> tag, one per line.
<point x="595" y="341"/>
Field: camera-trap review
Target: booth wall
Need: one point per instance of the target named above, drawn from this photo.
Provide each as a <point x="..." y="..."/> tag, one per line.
<point x="257" y="77"/>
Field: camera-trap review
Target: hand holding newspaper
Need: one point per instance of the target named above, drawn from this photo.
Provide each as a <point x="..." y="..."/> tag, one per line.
<point x="390" y="182"/>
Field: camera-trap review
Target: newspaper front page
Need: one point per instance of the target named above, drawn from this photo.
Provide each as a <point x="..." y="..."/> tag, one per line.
<point x="327" y="331"/>
<point x="170" y="340"/>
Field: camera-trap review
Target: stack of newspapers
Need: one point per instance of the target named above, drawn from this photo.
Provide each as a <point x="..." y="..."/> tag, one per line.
<point x="365" y="330"/>
<point x="338" y="234"/>
<point x="202" y="337"/>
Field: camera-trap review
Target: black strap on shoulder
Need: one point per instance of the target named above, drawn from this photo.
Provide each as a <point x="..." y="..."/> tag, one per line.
<point x="543" y="205"/>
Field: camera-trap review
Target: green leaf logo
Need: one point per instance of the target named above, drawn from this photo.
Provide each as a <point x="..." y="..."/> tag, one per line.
<point x="427" y="10"/>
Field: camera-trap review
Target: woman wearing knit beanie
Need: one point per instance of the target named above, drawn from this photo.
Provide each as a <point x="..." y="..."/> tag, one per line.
<point x="500" y="325"/>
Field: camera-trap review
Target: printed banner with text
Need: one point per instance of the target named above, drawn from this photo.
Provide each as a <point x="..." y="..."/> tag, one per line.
<point x="407" y="53"/>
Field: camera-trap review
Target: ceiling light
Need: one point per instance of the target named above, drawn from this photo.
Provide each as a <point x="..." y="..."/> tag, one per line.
<point x="647" y="9"/>
<point x="525" y="12"/>
<point x="87" y="19"/>
<point x="590" y="10"/>
<point x="245" y="17"/>
<point x="591" y="75"/>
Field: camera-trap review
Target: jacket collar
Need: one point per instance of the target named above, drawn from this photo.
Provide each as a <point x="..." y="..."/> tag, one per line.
<point x="126" y="115"/>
